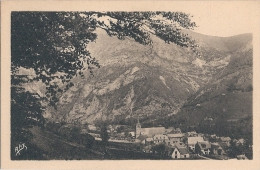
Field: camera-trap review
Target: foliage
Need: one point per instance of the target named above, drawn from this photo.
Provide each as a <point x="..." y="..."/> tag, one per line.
<point x="75" y="133"/>
<point x="234" y="150"/>
<point x="25" y="106"/>
<point x="240" y="149"/>
<point x="197" y="149"/>
<point x="104" y="134"/>
<point x="53" y="127"/>
<point x="87" y="140"/>
<point x="71" y="133"/>
<point x="161" y="149"/>
<point x="53" y="45"/>
<point x="120" y="129"/>
<point x="26" y="110"/>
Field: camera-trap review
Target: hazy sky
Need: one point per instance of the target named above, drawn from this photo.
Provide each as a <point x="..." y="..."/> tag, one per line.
<point x="219" y="18"/>
<point x="222" y="18"/>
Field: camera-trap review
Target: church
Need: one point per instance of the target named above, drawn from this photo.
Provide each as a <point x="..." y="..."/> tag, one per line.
<point x="149" y="132"/>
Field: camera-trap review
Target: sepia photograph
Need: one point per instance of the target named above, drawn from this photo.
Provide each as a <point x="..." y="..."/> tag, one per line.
<point x="131" y="84"/>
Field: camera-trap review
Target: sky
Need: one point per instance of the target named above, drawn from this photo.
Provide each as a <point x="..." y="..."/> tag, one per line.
<point x="222" y="18"/>
<point x="217" y="18"/>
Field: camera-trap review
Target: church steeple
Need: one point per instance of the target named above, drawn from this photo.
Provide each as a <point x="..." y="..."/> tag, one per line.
<point x="138" y="128"/>
<point x="138" y="122"/>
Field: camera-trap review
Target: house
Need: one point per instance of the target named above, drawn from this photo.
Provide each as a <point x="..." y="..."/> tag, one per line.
<point x="148" y="149"/>
<point x="174" y="131"/>
<point x="201" y="135"/>
<point x="225" y="140"/>
<point x="110" y="128"/>
<point x="223" y="145"/>
<point x="180" y="145"/>
<point x="240" y="141"/>
<point x="242" y="157"/>
<point x="141" y="139"/>
<point x="175" y="138"/>
<point x="179" y="153"/>
<point x="160" y="138"/>
<point x="192" y="134"/>
<point x="216" y="149"/>
<point x="149" y="141"/>
<point x="168" y="130"/>
<point x="193" y="140"/>
<point x="96" y="136"/>
<point x="132" y="134"/>
<point x="203" y="148"/>
<point x="214" y="136"/>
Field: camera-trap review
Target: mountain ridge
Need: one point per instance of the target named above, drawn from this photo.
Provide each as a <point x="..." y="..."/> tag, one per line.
<point x="150" y="82"/>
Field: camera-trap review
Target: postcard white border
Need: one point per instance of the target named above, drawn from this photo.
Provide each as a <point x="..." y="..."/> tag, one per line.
<point x="8" y="6"/>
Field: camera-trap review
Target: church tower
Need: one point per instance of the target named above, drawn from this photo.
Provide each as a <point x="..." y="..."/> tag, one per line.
<point x="138" y="129"/>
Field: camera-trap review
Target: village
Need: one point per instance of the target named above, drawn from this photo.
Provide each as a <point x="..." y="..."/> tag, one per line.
<point x="172" y="143"/>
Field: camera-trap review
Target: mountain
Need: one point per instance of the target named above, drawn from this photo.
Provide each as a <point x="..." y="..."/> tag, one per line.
<point x="149" y="82"/>
<point x="224" y="106"/>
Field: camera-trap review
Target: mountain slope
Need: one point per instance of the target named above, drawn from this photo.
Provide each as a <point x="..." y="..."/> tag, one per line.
<point x="223" y="106"/>
<point x="149" y="82"/>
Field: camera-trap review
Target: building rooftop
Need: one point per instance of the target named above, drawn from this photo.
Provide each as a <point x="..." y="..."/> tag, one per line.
<point x="182" y="150"/>
<point x="142" y="137"/>
<point x="215" y="145"/>
<point x="177" y="135"/>
<point x="204" y="145"/>
<point x="160" y="136"/>
<point x="153" y="131"/>
<point x="194" y="140"/>
<point x="225" y="139"/>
